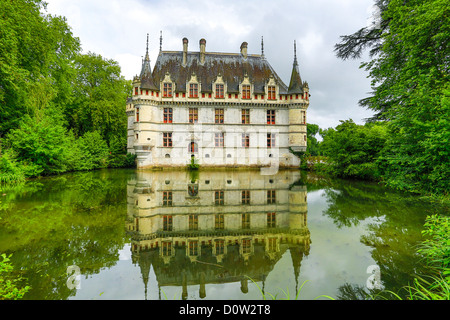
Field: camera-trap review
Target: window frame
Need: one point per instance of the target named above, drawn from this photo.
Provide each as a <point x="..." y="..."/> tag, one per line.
<point x="271" y="140"/>
<point x="167" y="90"/>
<point x="219" y="139"/>
<point x="167" y="115"/>
<point x="193" y="115"/>
<point x="246" y="91"/>
<point x="272" y="92"/>
<point x="219" y="115"/>
<point x="220" y="91"/>
<point x="245" y="116"/>
<point x="271" y="116"/>
<point x="167" y="140"/>
<point x="193" y="90"/>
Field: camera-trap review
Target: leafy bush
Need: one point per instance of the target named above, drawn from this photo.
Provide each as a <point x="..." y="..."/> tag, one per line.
<point x="9" y="289"/>
<point x="10" y="170"/>
<point x="352" y="150"/>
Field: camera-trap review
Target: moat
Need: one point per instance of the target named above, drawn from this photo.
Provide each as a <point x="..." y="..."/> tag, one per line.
<point x="223" y="234"/>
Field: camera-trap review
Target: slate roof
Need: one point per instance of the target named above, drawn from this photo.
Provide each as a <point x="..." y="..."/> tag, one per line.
<point x="231" y="66"/>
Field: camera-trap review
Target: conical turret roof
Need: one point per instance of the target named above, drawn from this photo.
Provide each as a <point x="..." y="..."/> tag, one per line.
<point x="296" y="84"/>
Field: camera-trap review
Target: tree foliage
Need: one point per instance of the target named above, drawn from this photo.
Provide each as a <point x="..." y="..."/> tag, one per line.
<point x="411" y="91"/>
<point x="352" y="150"/>
<point x="60" y="110"/>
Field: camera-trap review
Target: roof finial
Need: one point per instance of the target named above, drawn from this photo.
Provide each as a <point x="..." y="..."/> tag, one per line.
<point x="295" y="53"/>
<point x="146" y="51"/>
<point x="262" y="47"/>
<point x="160" y="41"/>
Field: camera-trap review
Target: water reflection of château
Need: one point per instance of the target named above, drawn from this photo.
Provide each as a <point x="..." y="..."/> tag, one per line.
<point x="216" y="226"/>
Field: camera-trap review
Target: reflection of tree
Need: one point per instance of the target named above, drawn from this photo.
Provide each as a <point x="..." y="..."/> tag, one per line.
<point x="74" y="219"/>
<point x="395" y="221"/>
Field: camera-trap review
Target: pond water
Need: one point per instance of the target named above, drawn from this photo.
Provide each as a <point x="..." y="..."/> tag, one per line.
<point x="224" y="234"/>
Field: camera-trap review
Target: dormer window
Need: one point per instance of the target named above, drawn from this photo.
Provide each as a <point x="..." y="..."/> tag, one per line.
<point x="167" y="90"/>
<point x="193" y="90"/>
<point x="271" y="92"/>
<point x="245" y="91"/>
<point x="219" y="91"/>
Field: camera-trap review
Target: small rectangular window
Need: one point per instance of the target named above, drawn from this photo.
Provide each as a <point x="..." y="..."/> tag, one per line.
<point x="219" y="139"/>
<point x="168" y="115"/>
<point x="245" y="116"/>
<point x="245" y="196"/>
<point x="219" y="91"/>
<point x="167" y="90"/>
<point x="219" y="116"/>
<point x="272" y="92"/>
<point x="167" y="198"/>
<point x="167" y="223"/>
<point x="271" y="116"/>
<point x="270" y="140"/>
<point x="245" y="140"/>
<point x="219" y="221"/>
<point x="271" y="196"/>
<point x="245" y="91"/>
<point x="219" y="197"/>
<point x="193" y="90"/>
<point x="246" y="221"/>
<point x="167" y="139"/>
<point x="271" y="220"/>
<point x="193" y="115"/>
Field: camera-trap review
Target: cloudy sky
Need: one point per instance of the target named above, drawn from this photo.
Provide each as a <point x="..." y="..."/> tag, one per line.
<point x="117" y="29"/>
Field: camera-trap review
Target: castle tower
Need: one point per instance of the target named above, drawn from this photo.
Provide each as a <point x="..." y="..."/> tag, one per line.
<point x="299" y="94"/>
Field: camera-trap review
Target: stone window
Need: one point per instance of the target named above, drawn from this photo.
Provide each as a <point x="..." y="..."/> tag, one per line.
<point x="193" y="90"/>
<point x="245" y="116"/>
<point x="193" y="222"/>
<point x="219" y="116"/>
<point x="167" y="90"/>
<point x="245" y="91"/>
<point x="246" y="221"/>
<point x="245" y="196"/>
<point x="272" y="92"/>
<point x="219" y="221"/>
<point x="271" y="116"/>
<point x="271" y="220"/>
<point x="246" y="246"/>
<point x="167" y="139"/>
<point x="219" y="91"/>
<point x="270" y="140"/>
<point x="167" y="248"/>
<point x="193" y="248"/>
<point x="219" y="197"/>
<point x="245" y="140"/>
<point x="220" y="247"/>
<point x="168" y="115"/>
<point x="218" y="139"/>
<point x="193" y="115"/>
<point x="167" y="198"/>
<point x="271" y="196"/>
<point x="167" y="223"/>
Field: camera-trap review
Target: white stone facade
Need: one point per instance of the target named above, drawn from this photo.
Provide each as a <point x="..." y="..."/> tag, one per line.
<point x="188" y="108"/>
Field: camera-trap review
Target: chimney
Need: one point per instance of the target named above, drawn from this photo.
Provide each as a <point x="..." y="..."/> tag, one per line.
<point x="244" y="49"/>
<point x="185" y="50"/>
<point x="202" y="50"/>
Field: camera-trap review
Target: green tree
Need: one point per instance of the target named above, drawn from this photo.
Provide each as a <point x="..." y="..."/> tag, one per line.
<point x="411" y="90"/>
<point x="312" y="144"/>
<point x="36" y="52"/>
<point x="100" y="94"/>
<point x="352" y="149"/>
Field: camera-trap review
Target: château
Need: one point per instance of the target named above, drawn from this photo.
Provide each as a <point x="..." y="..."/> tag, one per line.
<point x="218" y="109"/>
